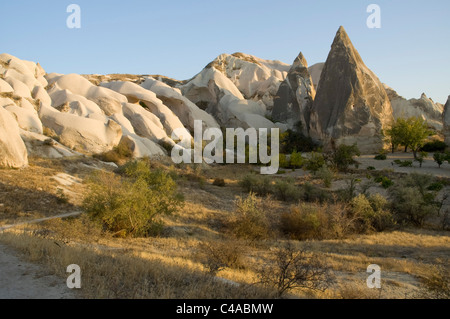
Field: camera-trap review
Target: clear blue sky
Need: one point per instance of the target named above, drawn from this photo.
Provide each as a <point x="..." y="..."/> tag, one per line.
<point x="177" y="38"/>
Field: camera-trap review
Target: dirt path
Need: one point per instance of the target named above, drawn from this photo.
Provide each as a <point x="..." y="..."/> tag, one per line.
<point x="23" y="280"/>
<point x="35" y="221"/>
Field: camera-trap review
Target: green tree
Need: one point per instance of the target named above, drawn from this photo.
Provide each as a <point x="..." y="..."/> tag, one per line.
<point x="439" y="158"/>
<point x="410" y="133"/>
<point x="421" y="157"/>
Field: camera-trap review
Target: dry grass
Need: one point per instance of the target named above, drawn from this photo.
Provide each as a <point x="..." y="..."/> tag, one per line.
<point x="124" y="274"/>
<point x="169" y="266"/>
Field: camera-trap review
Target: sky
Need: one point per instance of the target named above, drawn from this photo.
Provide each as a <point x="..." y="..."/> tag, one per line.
<point x="177" y="38"/>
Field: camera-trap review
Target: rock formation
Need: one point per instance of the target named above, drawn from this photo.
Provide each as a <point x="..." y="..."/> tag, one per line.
<point x="351" y="105"/>
<point x="316" y="71"/>
<point x="13" y="152"/>
<point x="295" y="96"/>
<point x="213" y="92"/>
<point x="424" y="107"/>
<point x="446" y="121"/>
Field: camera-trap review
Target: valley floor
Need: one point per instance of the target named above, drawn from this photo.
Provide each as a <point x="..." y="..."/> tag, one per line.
<point x="170" y="266"/>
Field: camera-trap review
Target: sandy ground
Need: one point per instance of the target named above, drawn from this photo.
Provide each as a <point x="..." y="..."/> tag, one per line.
<point x="429" y="166"/>
<point x="22" y="280"/>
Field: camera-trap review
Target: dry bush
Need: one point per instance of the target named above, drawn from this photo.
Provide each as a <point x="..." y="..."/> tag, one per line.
<point x="219" y="182"/>
<point x="119" y="154"/>
<point x="317" y="221"/>
<point x="354" y="291"/>
<point x="305" y="221"/>
<point x="285" y="190"/>
<point x="436" y="283"/>
<point x="249" y="221"/>
<point x="292" y="269"/>
<point x="260" y="185"/>
<point x="218" y="255"/>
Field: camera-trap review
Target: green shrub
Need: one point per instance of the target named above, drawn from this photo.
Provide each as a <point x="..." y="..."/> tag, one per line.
<point x="130" y="205"/>
<point x="439" y="158"/>
<point x="343" y="156"/>
<point x="326" y="175"/>
<point x="372" y="213"/>
<point x="291" y="141"/>
<point x="436" y="186"/>
<point x="284" y="162"/>
<point x="311" y="193"/>
<point x="405" y="163"/>
<point x="371" y="168"/>
<point x="315" y="162"/>
<point x="296" y="160"/>
<point x="261" y="185"/>
<point x="286" y="190"/>
<point x="380" y="157"/>
<point x="385" y="181"/>
<point x="434" y="146"/>
<point x="421" y="157"/>
<point x="411" y="201"/>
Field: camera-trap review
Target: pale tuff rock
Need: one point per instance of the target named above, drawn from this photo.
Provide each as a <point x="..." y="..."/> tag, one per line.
<point x="216" y="94"/>
<point x="20" y="89"/>
<point x="136" y="93"/>
<point x="145" y="123"/>
<point x="84" y="135"/>
<point x="66" y="101"/>
<point x="13" y="152"/>
<point x="24" y="113"/>
<point x="42" y="146"/>
<point x="351" y="104"/>
<point x="108" y="100"/>
<point x="184" y="109"/>
<point x="316" y="71"/>
<point x="257" y="79"/>
<point x="5" y="87"/>
<point x="39" y="93"/>
<point x="295" y="96"/>
<point x="446" y="120"/>
<point x="77" y="84"/>
<point x="26" y="118"/>
<point x="140" y="146"/>
<point x="423" y="107"/>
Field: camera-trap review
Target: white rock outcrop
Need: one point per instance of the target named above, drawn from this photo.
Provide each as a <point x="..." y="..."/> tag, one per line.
<point x="13" y="152"/>
<point x="108" y="100"/>
<point x="136" y="93"/>
<point x="182" y="107"/>
<point x="81" y="134"/>
<point x="257" y="79"/>
<point x="213" y="92"/>
<point x="423" y="107"/>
